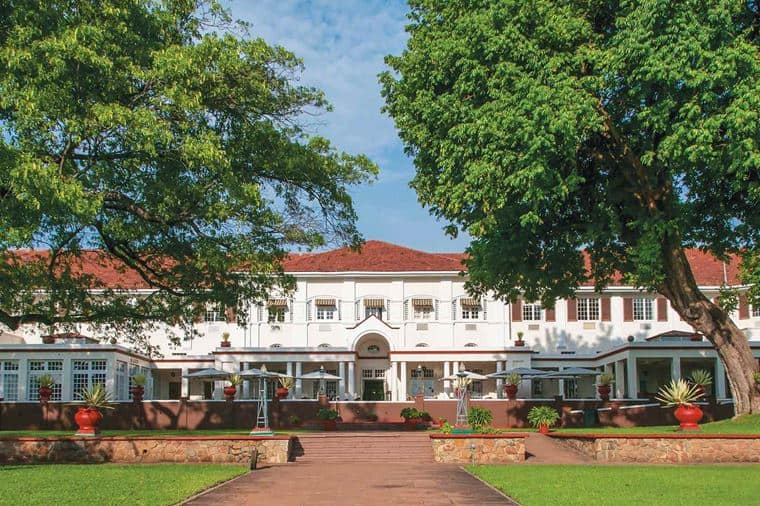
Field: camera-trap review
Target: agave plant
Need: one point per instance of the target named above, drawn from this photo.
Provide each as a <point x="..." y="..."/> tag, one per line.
<point x="286" y="382"/>
<point x="235" y="380"/>
<point x="513" y="379"/>
<point x="139" y="380"/>
<point x="701" y="377"/>
<point x="462" y="382"/>
<point x="605" y="379"/>
<point x="96" y="397"/>
<point x="679" y="393"/>
<point x="45" y="381"/>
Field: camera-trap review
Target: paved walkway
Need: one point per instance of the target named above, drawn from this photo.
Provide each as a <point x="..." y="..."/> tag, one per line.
<point x="355" y="484"/>
<point x="541" y="449"/>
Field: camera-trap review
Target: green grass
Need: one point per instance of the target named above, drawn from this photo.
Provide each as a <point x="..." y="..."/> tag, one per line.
<point x="215" y="432"/>
<point x="747" y="424"/>
<point x="149" y="484"/>
<point x="567" y="485"/>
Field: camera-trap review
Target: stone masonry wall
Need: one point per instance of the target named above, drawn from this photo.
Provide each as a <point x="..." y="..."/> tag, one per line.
<point x="135" y="450"/>
<point x="670" y="449"/>
<point x="478" y="448"/>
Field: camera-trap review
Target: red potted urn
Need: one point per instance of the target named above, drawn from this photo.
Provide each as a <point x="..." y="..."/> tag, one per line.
<point x="45" y="390"/>
<point x="510" y="391"/>
<point x="230" y="390"/>
<point x="688" y="416"/>
<point x="519" y="341"/>
<point x="286" y="383"/>
<point x="511" y="384"/>
<point x="138" y="387"/>
<point x="225" y="340"/>
<point x="604" y="385"/>
<point x="89" y="416"/>
<point x="682" y="395"/>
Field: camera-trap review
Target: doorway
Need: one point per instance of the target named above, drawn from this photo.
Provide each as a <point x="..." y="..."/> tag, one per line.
<point x="374" y="390"/>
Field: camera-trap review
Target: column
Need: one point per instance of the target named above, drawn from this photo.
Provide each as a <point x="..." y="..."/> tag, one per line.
<point x="23" y="380"/>
<point x="499" y="382"/>
<point x="446" y="383"/>
<point x="351" y="379"/>
<point x="342" y="383"/>
<point x="619" y="379"/>
<point x="289" y="372"/>
<point x="185" y="386"/>
<point x="402" y="388"/>
<point x="393" y="381"/>
<point x="299" y="382"/>
<point x="632" y="381"/>
<point x="720" y="380"/>
<point x="561" y="386"/>
<point x="675" y="368"/>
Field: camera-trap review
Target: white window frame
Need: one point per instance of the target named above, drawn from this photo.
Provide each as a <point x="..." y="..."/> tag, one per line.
<point x="531" y="311"/>
<point x="424" y="313"/>
<point x="39" y="367"/>
<point x="471" y="312"/>
<point x="643" y="309"/>
<point x="9" y="380"/>
<point x="326" y="313"/>
<point x="755" y="311"/>
<point x="214" y="314"/>
<point x="87" y="373"/>
<point x="376" y="311"/>
<point x="588" y="309"/>
<point x="276" y="314"/>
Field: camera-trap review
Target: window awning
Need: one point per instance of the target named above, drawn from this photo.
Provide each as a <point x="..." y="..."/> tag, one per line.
<point x="422" y="302"/>
<point x="469" y="302"/>
<point x="374" y="303"/>
<point x="277" y="303"/>
<point x="325" y="302"/>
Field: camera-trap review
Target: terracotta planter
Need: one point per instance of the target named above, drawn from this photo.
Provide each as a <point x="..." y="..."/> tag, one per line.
<point x="88" y="420"/>
<point x="48" y="340"/>
<point x="281" y="393"/>
<point x="225" y="344"/>
<point x="688" y="416"/>
<point x="44" y="394"/>
<point x="543" y="428"/>
<point x="137" y="393"/>
<point x="696" y="338"/>
<point x="511" y="391"/>
<point x="604" y="392"/>
<point x="412" y="423"/>
<point x="330" y="425"/>
<point x="229" y="393"/>
<point x="519" y="342"/>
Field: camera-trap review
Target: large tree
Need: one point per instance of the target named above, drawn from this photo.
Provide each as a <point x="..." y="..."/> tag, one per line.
<point x="629" y="129"/>
<point x="166" y="138"/>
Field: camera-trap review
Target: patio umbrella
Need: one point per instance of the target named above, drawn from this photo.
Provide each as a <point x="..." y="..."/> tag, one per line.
<point x="464" y="374"/>
<point x="522" y="371"/>
<point x="211" y="373"/>
<point x="570" y="373"/>
<point x="319" y="375"/>
<point x="260" y="373"/>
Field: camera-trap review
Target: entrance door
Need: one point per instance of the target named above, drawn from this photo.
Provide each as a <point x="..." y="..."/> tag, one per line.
<point x="374" y="390"/>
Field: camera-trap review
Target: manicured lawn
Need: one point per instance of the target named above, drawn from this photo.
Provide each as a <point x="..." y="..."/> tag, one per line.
<point x="567" y="485"/>
<point x="748" y="424"/>
<point x="220" y="432"/>
<point x="149" y="484"/>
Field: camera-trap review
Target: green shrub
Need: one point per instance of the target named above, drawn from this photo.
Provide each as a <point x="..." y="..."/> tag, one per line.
<point x="294" y="420"/>
<point x="412" y="413"/>
<point x="479" y="417"/>
<point x="488" y="430"/>
<point x="542" y="415"/>
<point x="327" y="414"/>
<point x="446" y="428"/>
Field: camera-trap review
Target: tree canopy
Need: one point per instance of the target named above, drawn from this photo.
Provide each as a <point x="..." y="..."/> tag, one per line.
<point x="630" y="130"/>
<point x="164" y="136"/>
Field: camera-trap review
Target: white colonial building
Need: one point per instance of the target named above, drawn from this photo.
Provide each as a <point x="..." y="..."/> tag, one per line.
<point x="391" y="322"/>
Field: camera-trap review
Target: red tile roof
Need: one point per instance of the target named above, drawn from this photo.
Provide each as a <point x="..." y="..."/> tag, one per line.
<point x="375" y="256"/>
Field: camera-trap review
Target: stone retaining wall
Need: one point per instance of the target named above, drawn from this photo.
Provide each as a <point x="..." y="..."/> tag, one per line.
<point x="478" y="448"/>
<point x="149" y="449"/>
<point x="665" y="449"/>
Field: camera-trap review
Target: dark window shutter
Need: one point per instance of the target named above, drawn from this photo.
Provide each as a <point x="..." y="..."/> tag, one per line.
<point x="662" y="309"/>
<point x="551" y="315"/>
<point x="517" y="311"/>
<point x="229" y="315"/>
<point x="627" y="309"/>
<point x="743" y="307"/>
<point x="572" y="310"/>
<point x="606" y="311"/>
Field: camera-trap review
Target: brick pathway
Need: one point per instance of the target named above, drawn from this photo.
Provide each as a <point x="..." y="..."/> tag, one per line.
<point x="355" y="484"/>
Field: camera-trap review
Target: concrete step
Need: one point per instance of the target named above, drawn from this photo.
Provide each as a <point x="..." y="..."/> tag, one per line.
<point x="363" y="447"/>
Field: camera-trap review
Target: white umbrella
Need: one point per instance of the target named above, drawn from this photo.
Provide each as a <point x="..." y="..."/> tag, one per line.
<point x="316" y="375"/>
<point x="210" y="373"/>
<point x="570" y="373"/>
<point x="464" y="374"/>
<point x="522" y="371"/>
<point x="260" y="373"/>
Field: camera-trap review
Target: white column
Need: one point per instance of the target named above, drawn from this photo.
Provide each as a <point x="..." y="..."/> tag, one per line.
<point x="632" y="381"/>
<point x="289" y="372"/>
<point x="499" y="382"/>
<point x="23" y="380"/>
<point x="675" y="368"/>
<point x="446" y="372"/>
<point x="111" y="378"/>
<point x="561" y="385"/>
<point x="351" y="379"/>
<point x="299" y="382"/>
<point x="720" y="379"/>
<point x="67" y="391"/>
<point x="393" y="381"/>
<point x="185" y="387"/>
<point x="402" y="387"/>
<point x="619" y="379"/>
<point x="342" y="383"/>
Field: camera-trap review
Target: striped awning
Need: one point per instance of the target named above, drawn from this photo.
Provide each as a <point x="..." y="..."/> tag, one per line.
<point x="277" y="303"/>
<point x="422" y="302"/>
<point x="470" y="302"/>
<point x="374" y="303"/>
<point x="325" y="302"/>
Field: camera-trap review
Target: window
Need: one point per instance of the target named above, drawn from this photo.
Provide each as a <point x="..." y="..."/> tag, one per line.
<point x="326" y="312"/>
<point x="38" y="368"/>
<point x="531" y="312"/>
<point x="85" y="374"/>
<point x="373" y="348"/>
<point x="214" y="314"/>
<point x="477" y="386"/>
<point x="9" y="380"/>
<point x="122" y="385"/>
<point x="642" y="309"/>
<point x="756" y="310"/>
<point x="373" y="311"/>
<point x="470" y="312"/>
<point x="366" y="373"/>
<point x="423" y="380"/>
<point x="276" y="314"/>
<point x="136" y="369"/>
<point x="588" y="309"/>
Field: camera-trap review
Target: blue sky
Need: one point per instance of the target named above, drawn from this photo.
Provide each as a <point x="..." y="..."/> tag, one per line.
<point x="342" y="44"/>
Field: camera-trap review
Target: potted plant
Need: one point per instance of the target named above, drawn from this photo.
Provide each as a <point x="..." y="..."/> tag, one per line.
<point x="229" y="391"/>
<point x="372" y="417"/>
<point x="286" y="384"/>
<point x="226" y="340"/>
<point x="412" y="417"/>
<point x="681" y="394"/>
<point x="89" y="416"/>
<point x="50" y="339"/>
<point x="519" y="341"/>
<point x="511" y="383"/>
<point x="702" y="379"/>
<point x="461" y="384"/>
<point x="329" y="418"/>
<point x="604" y="385"/>
<point x="138" y="390"/>
<point x="294" y="420"/>
<point x="45" y="390"/>
<point x="543" y="417"/>
<point x="479" y="418"/>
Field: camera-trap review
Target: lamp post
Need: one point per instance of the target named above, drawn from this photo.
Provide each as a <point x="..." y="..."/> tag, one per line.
<point x="461" y="422"/>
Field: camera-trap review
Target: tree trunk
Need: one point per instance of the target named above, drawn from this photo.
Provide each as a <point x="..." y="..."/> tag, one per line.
<point x="730" y="343"/>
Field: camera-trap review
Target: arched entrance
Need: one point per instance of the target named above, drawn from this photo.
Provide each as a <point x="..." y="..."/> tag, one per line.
<point x="373" y="367"/>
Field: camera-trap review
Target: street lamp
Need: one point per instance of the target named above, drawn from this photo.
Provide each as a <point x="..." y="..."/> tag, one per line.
<point x="322" y="389"/>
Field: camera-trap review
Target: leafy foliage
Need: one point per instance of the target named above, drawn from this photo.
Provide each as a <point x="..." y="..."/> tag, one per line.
<point x="701" y="377"/>
<point x="479" y="417"/>
<point x="45" y="381"/>
<point x="327" y="414"/>
<point x="679" y="393"/>
<point x="235" y="380"/>
<point x="513" y="379"/>
<point x="413" y="413"/>
<point x="164" y="137"/>
<point x="605" y="379"/>
<point x="542" y="415"/>
<point x="139" y="380"/>
<point x="96" y="397"/>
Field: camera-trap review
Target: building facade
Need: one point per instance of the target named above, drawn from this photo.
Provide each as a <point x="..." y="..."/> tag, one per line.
<point x="391" y="322"/>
